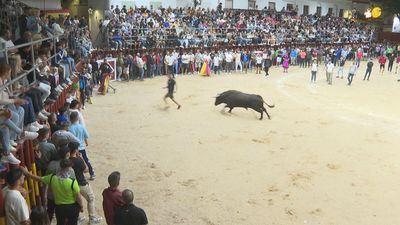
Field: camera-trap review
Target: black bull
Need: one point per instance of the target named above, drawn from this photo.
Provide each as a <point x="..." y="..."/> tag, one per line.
<point x="234" y="99"/>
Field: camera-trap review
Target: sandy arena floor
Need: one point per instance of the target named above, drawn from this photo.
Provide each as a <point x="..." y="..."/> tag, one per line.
<point x="329" y="155"/>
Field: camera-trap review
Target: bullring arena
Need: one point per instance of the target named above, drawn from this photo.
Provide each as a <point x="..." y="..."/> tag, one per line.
<point x="119" y="112"/>
<point x="327" y="156"/>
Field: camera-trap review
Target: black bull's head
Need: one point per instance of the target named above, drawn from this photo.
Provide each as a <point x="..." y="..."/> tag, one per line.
<point x="219" y="99"/>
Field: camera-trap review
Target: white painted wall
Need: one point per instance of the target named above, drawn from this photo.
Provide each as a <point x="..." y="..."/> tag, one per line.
<point x="243" y="4"/>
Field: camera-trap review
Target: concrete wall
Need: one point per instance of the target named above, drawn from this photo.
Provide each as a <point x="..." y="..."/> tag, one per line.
<point x="98" y="14"/>
<point x="336" y="5"/>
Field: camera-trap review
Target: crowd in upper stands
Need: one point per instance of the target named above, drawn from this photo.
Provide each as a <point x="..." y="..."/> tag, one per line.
<point x="188" y="27"/>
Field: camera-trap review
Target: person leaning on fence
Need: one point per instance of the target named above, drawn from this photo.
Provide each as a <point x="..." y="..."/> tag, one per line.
<point x="63" y="134"/>
<point x="82" y="134"/>
<point x="68" y="199"/>
<point x="53" y="168"/>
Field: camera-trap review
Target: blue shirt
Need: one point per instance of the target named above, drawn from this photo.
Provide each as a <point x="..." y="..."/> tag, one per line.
<point x="81" y="133"/>
<point x="293" y="54"/>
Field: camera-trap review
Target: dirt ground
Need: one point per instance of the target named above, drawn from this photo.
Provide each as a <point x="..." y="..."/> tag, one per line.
<point x="329" y="155"/>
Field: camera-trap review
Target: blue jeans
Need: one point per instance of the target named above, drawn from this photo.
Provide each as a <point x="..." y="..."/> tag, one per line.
<point x="16" y="122"/>
<point x="153" y="69"/>
<point x="5" y="140"/>
<point x="176" y="68"/>
<point x="158" y="70"/>
<point x="141" y="73"/>
<point x="29" y="116"/>
<point x="87" y="161"/>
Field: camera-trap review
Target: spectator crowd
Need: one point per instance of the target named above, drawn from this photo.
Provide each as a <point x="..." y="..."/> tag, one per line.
<point x="194" y="27"/>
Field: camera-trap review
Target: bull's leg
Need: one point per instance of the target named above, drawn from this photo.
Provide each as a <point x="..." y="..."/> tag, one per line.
<point x="230" y="109"/>
<point x="266" y="112"/>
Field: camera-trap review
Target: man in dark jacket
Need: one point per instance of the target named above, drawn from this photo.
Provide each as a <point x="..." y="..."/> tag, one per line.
<point x="129" y="214"/>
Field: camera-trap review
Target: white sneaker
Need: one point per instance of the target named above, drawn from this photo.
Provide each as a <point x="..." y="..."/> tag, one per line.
<point x="29" y="135"/>
<point x="95" y="219"/>
<point x="31" y="128"/>
<point x="41" y="116"/>
<point x="44" y="112"/>
<point x="13" y="143"/>
<point x="38" y="125"/>
<point x="12" y="149"/>
<point x="81" y="219"/>
<point x="10" y="158"/>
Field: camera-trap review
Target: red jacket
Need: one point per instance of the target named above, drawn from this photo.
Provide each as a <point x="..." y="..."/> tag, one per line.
<point x="112" y="199"/>
<point x="382" y="59"/>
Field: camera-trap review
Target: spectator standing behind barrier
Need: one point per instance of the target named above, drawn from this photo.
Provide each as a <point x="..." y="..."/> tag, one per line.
<point x="15" y="206"/>
<point x="140" y="65"/>
<point x="66" y="192"/>
<point x="80" y="168"/>
<point x="129" y="214"/>
<point x="81" y="133"/>
<point x="112" y="197"/>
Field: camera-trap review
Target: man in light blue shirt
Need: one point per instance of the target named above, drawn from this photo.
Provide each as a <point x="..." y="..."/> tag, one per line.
<point x="81" y="133"/>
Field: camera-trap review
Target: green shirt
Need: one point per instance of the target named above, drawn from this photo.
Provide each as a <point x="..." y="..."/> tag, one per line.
<point x="64" y="190"/>
<point x="389" y="50"/>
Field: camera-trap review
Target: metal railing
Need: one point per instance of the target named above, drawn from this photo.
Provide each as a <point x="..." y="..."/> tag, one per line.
<point x="34" y="66"/>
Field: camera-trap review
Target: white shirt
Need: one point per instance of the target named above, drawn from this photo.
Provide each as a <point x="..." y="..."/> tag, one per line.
<point x="259" y="59"/>
<point x="216" y="61"/>
<point x="353" y="69"/>
<point x="185" y="59"/>
<point x="15" y="207"/>
<point x="329" y="67"/>
<point x="314" y="67"/>
<point x="228" y="57"/>
<point x="8" y="44"/>
<point x="80" y="116"/>
<point x="191" y="58"/>
<point x="169" y="60"/>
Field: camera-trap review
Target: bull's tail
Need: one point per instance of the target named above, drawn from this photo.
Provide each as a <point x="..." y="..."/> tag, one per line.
<point x="271" y="106"/>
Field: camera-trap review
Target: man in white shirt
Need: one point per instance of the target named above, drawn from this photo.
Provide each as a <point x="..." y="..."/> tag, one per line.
<point x="140" y="65"/>
<point x="229" y="61"/>
<point x="191" y="62"/>
<point x="329" y="71"/>
<point x="5" y="42"/>
<point x="238" y="62"/>
<point x="216" y="62"/>
<point x="15" y="206"/>
<point x="169" y="60"/>
<point x="185" y="63"/>
<point x="75" y="107"/>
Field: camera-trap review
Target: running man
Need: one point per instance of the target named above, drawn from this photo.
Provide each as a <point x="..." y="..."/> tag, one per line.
<point x="171" y="85"/>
